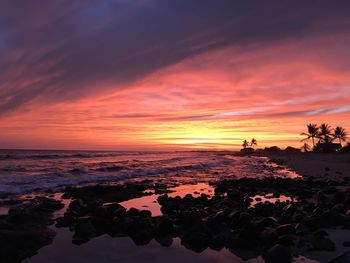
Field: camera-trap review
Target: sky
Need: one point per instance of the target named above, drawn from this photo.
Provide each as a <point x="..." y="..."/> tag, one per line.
<point x="171" y="74"/>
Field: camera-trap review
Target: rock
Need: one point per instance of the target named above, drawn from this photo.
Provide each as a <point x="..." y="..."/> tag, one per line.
<point x="48" y="204"/>
<point x="132" y="212"/>
<point x="278" y="254"/>
<point x="339" y="197"/>
<point x="332" y="218"/>
<point x="286" y="229"/>
<point x="94" y="204"/>
<point x="195" y="240"/>
<point x="220" y="217"/>
<point x="145" y="213"/>
<point x="244" y="218"/>
<point x="103" y="212"/>
<point x="84" y="231"/>
<point x="65" y="221"/>
<point x="142" y="237"/>
<point x="120" y="212"/>
<point x="321" y="197"/>
<point x="78" y="207"/>
<point x="287" y="240"/>
<point x="113" y="207"/>
<point x="18" y="244"/>
<point x="164" y="227"/>
<point x="321" y="233"/>
<point x="138" y="225"/>
<point x="268" y="237"/>
<point x="276" y="195"/>
<point x="164" y="241"/>
<point x="234" y="215"/>
<point x="108" y="193"/>
<point x="301" y="229"/>
<point x="343" y="258"/>
<point x="204" y="197"/>
<point x="321" y="243"/>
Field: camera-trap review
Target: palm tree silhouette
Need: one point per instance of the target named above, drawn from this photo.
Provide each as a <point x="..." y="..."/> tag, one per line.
<point x="312" y="132"/>
<point x="325" y="133"/>
<point x="340" y="134"/>
<point x="245" y="144"/>
<point x="254" y="142"/>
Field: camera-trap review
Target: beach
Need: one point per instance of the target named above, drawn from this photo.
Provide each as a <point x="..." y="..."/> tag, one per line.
<point x="183" y="206"/>
<point x="316" y="165"/>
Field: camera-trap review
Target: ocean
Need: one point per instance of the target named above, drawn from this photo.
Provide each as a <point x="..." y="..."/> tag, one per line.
<point x="24" y="171"/>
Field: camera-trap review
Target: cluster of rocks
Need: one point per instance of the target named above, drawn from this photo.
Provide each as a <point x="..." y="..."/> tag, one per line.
<point x="95" y="211"/>
<point x="109" y="193"/>
<point x="226" y="220"/>
<point x="25" y="229"/>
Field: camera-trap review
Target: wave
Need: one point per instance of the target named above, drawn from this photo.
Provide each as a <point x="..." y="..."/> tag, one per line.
<point x="13" y="169"/>
<point x="21" y="156"/>
<point x="76" y="176"/>
<point x="112" y="168"/>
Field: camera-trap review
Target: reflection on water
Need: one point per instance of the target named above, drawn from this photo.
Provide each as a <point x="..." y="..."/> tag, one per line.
<point x="105" y="249"/>
<point x="270" y="199"/>
<point x="280" y="171"/>
<point x="150" y="203"/>
<point x="4" y="210"/>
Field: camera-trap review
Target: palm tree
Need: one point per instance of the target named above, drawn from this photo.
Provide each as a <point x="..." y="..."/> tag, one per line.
<point x="305" y="147"/>
<point x="312" y="132"/>
<point x="340" y="134"/>
<point x="325" y="133"/>
<point x="253" y="142"/>
<point x="245" y="144"/>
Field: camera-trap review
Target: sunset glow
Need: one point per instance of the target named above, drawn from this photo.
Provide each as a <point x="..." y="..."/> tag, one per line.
<point x="156" y="84"/>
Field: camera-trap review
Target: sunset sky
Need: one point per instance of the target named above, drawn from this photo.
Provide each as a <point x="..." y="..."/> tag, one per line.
<point x="170" y="74"/>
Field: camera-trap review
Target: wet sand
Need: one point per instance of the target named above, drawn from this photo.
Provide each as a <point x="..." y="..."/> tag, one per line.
<point x="316" y="165"/>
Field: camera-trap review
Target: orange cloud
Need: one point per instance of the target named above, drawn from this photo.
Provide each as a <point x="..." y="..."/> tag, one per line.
<point x="212" y="100"/>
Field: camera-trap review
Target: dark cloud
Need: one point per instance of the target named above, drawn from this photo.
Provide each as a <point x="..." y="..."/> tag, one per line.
<point x="63" y="49"/>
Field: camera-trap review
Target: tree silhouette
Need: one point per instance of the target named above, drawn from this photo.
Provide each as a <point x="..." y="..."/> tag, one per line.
<point x="254" y="142"/>
<point x="312" y="132"/>
<point x="325" y="133"/>
<point x="340" y="134"/>
<point x="245" y="144"/>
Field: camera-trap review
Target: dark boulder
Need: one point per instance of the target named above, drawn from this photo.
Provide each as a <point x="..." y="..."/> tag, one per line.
<point x="278" y="254"/>
<point x="322" y="243"/>
<point x="84" y="231"/>
<point x="286" y="229"/>
<point x="164" y="227"/>
<point x="18" y="244"/>
<point x="65" y="221"/>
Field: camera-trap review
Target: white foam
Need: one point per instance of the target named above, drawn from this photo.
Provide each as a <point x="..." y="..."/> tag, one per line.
<point x="24" y="182"/>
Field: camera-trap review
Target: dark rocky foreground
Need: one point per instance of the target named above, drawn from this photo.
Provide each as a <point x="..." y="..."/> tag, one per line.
<point x="228" y="219"/>
<point x="25" y="229"/>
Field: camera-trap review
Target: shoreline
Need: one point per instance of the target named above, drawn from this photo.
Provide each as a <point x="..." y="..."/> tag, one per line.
<point x="79" y="215"/>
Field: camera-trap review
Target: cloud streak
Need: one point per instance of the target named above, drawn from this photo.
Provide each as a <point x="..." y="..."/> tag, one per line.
<point x="152" y="69"/>
<point x="62" y="50"/>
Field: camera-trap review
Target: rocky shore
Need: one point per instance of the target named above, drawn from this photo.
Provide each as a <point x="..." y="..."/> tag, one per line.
<point x="278" y="218"/>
